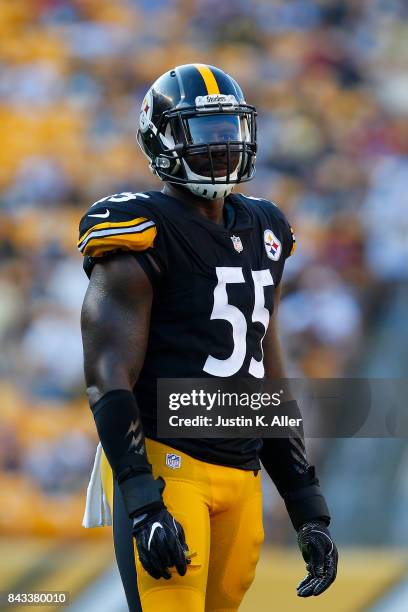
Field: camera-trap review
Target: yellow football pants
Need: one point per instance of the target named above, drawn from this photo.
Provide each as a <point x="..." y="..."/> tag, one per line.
<point x="220" y="509"/>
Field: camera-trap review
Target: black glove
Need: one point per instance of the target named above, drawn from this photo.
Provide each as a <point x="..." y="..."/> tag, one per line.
<point x="320" y="554"/>
<point x="160" y="543"/>
<point x="160" y="539"/>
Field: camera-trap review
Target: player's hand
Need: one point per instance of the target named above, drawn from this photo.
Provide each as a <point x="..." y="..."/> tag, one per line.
<point x="320" y="554"/>
<point x="160" y="543"/>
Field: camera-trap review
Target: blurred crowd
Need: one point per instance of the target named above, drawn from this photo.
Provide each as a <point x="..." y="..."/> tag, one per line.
<point x="330" y="84"/>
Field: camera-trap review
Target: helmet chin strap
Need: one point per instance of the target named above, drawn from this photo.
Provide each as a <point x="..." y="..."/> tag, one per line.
<point x="210" y="191"/>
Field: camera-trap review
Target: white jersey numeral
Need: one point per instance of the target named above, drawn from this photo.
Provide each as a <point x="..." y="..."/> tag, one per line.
<point x="121" y="197"/>
<point x="227" y="312"/>
<point x="262" y="278"/>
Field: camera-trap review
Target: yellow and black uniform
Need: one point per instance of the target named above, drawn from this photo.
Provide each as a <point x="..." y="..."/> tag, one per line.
<point x="213" y="296"/>
<point x="214" y="288"/>
<point x="220" y="509"/>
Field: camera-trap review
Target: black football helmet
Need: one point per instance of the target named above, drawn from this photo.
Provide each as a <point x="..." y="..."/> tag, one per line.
<point x="197" y="130"/>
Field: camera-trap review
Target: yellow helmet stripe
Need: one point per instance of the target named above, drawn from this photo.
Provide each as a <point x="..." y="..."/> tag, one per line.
<point x="209" y="79"/>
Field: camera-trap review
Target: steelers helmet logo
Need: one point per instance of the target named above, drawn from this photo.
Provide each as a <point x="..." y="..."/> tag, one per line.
<point x="146" y="112"/>
<point x="273" y="246"/>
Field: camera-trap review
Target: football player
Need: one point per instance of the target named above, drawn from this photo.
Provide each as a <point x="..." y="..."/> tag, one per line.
<point x="185" y="283"/>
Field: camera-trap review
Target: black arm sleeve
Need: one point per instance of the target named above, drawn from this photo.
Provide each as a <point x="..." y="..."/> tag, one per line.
<point x="285" y="461"/>
<point x="120" y="431"/>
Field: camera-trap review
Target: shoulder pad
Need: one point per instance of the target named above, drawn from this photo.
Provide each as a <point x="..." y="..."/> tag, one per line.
<point x="117" y="222"/>
<point x="263" y="202"/>
<point x="273" y="211"/>
<point x="125" y="196"/>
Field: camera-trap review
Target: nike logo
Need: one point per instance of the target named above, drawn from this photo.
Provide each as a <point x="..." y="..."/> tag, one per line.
<point x="154" y="527"/>
<point x="101" y="215"/>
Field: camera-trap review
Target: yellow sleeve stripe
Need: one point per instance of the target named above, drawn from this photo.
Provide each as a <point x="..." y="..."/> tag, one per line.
<point x="102" y="234"/>
<point x="209" y="79"/>
<point x="110" y="225"/>
<point x="135" y="241"/>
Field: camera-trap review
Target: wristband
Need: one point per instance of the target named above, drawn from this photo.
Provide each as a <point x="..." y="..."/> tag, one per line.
<point x="306" y="504"/>
<point x="142" y="494"/>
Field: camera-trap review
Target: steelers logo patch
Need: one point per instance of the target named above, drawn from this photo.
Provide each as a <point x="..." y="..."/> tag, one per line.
<point x="146" y="112"/>
<point x="273" y="246"/>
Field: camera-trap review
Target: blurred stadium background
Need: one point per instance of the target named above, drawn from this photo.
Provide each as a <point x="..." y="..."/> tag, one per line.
<point x="330" y="82"/>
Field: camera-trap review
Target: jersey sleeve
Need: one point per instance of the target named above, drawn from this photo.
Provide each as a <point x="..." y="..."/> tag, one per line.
<point x="289" y="239"/>
<point x="269" y="214"/>
<point x="116" y="223"/>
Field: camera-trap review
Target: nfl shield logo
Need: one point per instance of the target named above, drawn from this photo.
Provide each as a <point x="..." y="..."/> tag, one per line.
<point x="273" y="246"/>
<point x="236" y="241"/>
<point x="173" y="461"/>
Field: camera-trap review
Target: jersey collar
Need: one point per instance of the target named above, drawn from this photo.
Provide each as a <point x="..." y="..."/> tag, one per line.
<point x="238" y="216"/>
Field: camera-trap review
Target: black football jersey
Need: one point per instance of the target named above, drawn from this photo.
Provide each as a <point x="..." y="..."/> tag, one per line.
<point x="213" y="293"/>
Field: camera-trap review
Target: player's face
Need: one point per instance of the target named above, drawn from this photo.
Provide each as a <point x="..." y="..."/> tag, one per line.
<point x="212" y="129"/>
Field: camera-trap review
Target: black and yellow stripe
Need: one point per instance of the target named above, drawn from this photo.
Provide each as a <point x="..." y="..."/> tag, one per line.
<point x="209" y="79"/>
<point x="135" y="235"/>
<point x="204" y="80"/>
